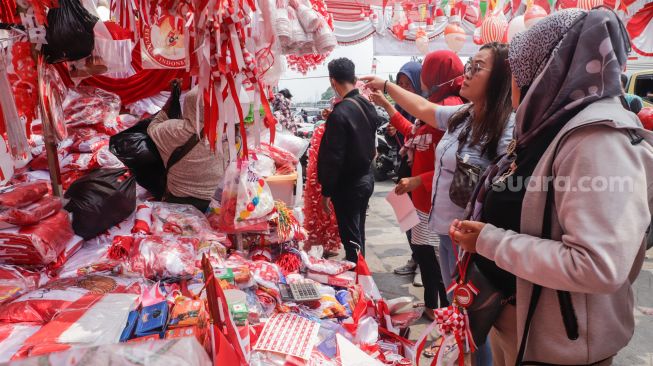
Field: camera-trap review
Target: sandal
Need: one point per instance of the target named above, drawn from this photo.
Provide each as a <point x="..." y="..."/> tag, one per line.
<point x="429" y="314"/>
<point x="431" y="351"/>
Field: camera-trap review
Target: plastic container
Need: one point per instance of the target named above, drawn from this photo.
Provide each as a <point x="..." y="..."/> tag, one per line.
<point x="283" y="188"/>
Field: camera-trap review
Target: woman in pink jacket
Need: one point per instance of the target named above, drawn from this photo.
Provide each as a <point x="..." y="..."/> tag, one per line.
<point x="566" y="210"/>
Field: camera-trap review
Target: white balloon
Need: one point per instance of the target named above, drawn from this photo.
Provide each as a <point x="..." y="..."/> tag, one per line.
<point x="516" y="25"/>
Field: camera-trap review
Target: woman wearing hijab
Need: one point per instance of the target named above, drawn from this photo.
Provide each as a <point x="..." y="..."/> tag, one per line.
<point x="194" y="179"/>
<point x="574" y="244"/>
<point x="477" y="132"/>
<point x="421" y="140"/>
<point x="408" y="78"/>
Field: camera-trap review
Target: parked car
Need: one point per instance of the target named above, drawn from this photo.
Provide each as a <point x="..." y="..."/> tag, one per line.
<point x="641" y="83"/>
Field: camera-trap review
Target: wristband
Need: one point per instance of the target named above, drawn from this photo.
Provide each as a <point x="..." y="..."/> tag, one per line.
<point x="385" y="85"/>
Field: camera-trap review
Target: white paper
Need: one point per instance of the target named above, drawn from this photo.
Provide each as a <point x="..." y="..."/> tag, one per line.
<point x="350" y="355"/>
<point x="404" y="210"/>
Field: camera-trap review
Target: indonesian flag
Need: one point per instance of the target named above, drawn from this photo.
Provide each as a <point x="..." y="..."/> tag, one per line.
<point x="640" y="29"/>
<point x="365" y="279"/>
<point x="92" y="320"/>
<point x="12" y="337"/>
<point x="237" y="346"/>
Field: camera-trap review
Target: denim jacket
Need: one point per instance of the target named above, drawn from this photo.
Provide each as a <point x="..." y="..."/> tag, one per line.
<point x="443" y="211"/>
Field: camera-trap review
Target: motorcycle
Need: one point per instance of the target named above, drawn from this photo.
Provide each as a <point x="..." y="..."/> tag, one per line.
<point x="387" y="160"/>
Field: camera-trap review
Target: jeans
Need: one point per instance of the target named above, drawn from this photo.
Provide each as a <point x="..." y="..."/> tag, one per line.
<point x="350" y="206"/>
<point x="483" y="355"/>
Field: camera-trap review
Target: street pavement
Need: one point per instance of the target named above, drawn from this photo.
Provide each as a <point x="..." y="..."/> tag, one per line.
<point x="387" y="249"/>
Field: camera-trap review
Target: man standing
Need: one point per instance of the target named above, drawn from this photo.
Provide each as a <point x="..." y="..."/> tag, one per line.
<point x="345" y="157"/>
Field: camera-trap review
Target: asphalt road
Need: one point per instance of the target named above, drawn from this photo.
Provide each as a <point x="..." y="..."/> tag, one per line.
<point x="387" y="249"/>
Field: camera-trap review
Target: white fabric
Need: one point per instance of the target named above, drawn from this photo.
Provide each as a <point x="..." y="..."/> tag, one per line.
<point x="644" y="42"/>
<point x="14" y="341"/>
<point x="103" y="322"/>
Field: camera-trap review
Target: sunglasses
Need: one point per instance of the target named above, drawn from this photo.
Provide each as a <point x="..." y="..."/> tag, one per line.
<point x="473" y="68"/>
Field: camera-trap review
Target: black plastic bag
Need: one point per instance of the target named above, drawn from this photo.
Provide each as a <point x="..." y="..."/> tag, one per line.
<point x="69" y="32"/>
<point x="100" y="200"/>
<point x="136" y="149"/>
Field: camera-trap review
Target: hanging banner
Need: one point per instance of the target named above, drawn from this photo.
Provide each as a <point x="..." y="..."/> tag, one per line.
<point x="162" y="44"/>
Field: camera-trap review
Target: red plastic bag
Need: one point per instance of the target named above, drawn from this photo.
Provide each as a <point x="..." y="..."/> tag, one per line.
<point x="24" y="194"/>
<point x="32" y="214"/>
<point x="36" y="245"/>
<point x="646" y="116"/>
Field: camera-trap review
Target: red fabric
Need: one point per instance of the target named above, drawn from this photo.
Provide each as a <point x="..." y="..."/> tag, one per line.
<point x="441" y="67"/>
<point x="143" y="84"/>
<point x="424" y="159"/>
<point x="637" y="25"/>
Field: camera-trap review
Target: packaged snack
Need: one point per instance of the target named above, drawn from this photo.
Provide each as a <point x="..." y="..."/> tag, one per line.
<point x="187" y="312"/>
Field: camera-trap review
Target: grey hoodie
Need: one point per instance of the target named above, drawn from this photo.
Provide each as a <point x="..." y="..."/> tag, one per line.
<point x="597" y="247"/>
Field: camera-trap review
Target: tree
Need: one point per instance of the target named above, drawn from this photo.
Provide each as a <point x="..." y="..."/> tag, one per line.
<point x="328" y="94"/>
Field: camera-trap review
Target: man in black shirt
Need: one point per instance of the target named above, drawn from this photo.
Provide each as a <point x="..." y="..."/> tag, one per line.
<point x="345" y="157"/>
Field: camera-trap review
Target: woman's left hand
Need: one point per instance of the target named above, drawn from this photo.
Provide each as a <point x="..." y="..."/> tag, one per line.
<point x="465" y="234"/>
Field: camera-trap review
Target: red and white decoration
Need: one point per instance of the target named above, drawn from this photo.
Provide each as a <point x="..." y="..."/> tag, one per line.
<point x="640" y="28"/>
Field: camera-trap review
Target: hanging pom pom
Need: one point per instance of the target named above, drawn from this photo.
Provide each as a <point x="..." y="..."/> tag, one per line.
<point x="288" y="262"/>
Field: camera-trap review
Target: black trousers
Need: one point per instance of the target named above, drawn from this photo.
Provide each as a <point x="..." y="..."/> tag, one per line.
<point x="350" y="205"/>
<point x="428" y="263"/>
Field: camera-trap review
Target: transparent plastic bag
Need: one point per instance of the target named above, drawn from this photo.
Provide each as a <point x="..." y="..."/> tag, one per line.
<point x="36" y="245"/>
<point x="23" y="194"/>
<point x="175" y="219"/>
<point x="14" y="281"/>
<point x="90" y="106"/>
<point x="32" y="214"/>
<point x="246" y="203"/>
<point x="157" y="257"/>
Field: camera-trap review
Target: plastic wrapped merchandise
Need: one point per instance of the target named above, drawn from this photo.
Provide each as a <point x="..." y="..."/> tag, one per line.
<point x="100" y="200"/>
<point x="42" y="304"/>
<point x="87" y="106"/>
<point x="36" y="245"/>
<point x="12" y="337"/>
<point x="179" y="352"/>
<point x="93" y="319"/>
<point x="23" y="194"/>
<point x="157" y="257"/>
<point x="183" y="220"/>
<point x="15" y="281"/>
<point x="69" y="21"/>
<point x="32" y="214"/>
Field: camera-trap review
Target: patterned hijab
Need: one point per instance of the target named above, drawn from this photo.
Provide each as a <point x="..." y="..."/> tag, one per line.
<point x="582" y="62"/>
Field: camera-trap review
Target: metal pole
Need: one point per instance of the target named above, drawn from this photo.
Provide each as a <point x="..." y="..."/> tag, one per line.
<point x="49" y="136"/>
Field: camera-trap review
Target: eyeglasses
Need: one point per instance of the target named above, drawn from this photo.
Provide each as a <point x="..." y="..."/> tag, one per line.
<point x="472" y="69"/>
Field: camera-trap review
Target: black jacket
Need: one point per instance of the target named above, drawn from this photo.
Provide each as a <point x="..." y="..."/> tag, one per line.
<point x="348" y="145"/>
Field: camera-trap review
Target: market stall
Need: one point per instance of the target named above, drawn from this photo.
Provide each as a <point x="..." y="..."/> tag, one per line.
<point x="94" y="266"/>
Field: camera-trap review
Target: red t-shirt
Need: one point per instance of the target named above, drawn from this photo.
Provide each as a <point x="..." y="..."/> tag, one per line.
<point x="426" y="139"/>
